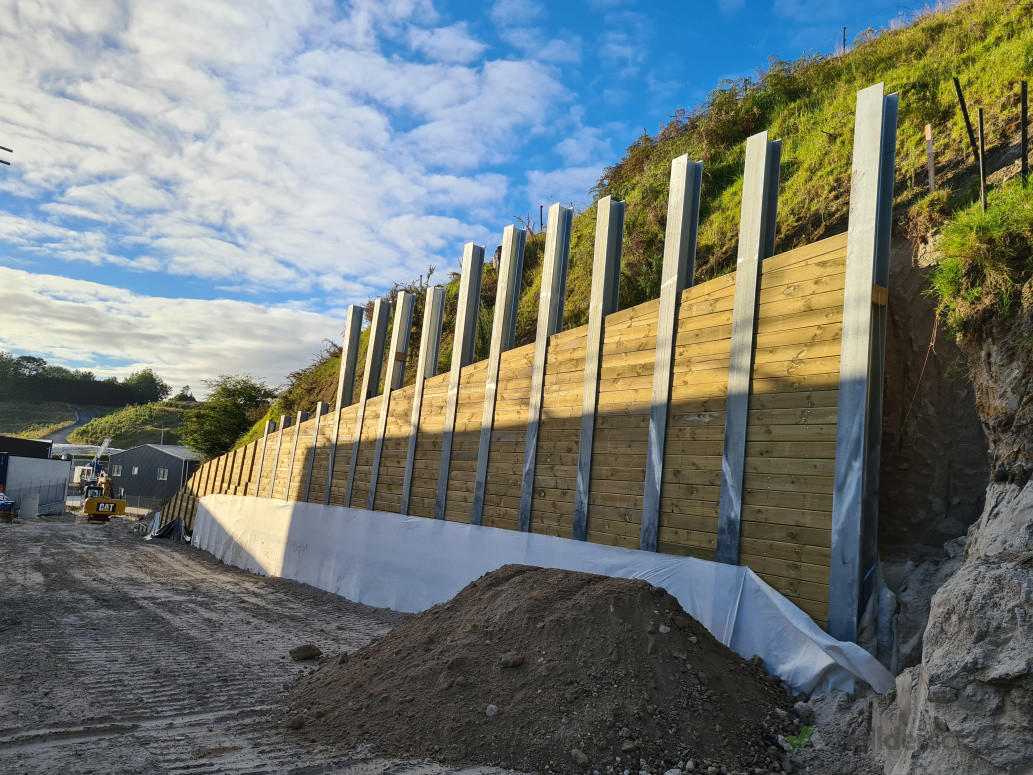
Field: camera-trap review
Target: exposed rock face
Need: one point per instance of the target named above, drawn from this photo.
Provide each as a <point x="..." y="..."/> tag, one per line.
<point x="934" y="456"/>
<point x="969" y="706"/>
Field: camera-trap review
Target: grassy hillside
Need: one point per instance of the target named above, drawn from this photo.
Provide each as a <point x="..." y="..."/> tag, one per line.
<point x="136" y="425"/>
<point x="809" y="105"/>
<point x="31" y="420"/>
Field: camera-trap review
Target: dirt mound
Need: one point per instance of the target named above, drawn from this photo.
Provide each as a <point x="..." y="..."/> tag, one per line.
<point x="539" y="669"/>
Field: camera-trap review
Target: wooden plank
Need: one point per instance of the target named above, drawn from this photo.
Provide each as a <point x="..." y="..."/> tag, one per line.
<point x="606" y="272"/>
<point x="302" y="417"/>
<point x="550" y="323"/>
<point x="321" y="409"/>
<point x="393" y="380"/>
<point x="269" y="425"/>
<point x="503" y="337"/>
<point x="468" y="306"/>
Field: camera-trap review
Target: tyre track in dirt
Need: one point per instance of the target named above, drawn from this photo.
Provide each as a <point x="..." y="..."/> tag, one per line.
<point x="124" y="656"/>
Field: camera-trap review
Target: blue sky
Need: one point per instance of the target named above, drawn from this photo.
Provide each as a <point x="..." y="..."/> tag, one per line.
<point x="202" y="186"/>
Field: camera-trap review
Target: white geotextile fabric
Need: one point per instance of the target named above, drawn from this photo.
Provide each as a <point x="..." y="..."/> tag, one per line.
<point x="412" y="563"/>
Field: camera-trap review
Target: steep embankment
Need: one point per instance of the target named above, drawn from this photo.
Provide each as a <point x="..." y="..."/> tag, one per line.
<point x="135" y="425"/>
<point x="967" y="706"/>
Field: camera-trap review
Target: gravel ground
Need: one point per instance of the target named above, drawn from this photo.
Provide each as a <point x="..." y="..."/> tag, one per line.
<point x="124" y="656"/>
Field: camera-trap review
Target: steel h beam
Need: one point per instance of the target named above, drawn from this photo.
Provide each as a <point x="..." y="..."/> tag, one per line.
<point x="462" y="355"/>
<point x="302" y="417"/>
<point x="862" y="360"/>
<point x="503" y="337"/>
<point x="276" y="457"/>
<point x="550" y="321"/>
<point x="270" y="425"/>
<point x="370" y="384"/>
<point x="678" y="268"/>
<point x="397" y="354"/>
<point x="756" y="242"/>
<point x="321" y="409"/>
<point x="606" y="276"/>
<point x="345" y="387"/>
<point x="426" y="367"/>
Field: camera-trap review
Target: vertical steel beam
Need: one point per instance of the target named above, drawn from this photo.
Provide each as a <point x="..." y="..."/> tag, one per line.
<point x="370" y="383"/>
<point x="550" y="321"/>
<point x="426" y="367"/>
<point x="468" y="305"/>
<point x="606" y="277"/>
<point x="396" y="356"/>
<point x="276" y="457"/>
<point x="756" y="242"/>
<point x="269" y="426"/>
<point x="321" y="409"/>
<point x="345" y="387"/>
<point x="503" y="337"/>
<point x="862" y="357"/>
<point x="302" y="417"/>
<point x="678" y="268"/>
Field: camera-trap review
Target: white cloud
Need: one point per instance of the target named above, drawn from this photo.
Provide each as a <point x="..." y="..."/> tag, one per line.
<point x="729" y="7"/>
<point x="184" y="340"/>
<point x="259" y="143"/>
<point x="567" y="185"/>
<point x="516" y="13"/>
<point x="447" y="44"/>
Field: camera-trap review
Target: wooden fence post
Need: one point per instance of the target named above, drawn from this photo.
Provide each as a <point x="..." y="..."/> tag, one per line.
<point x="396" y="356"/>
<point x="276" y="457"/>
<point x="503" y="337"/>
<point x="345" y="387"/>
<point x="270" y="425"/>
<point x="678" y="268"/>
<point x="855" y="489"/>
<point x="756" y="242"/>
<point x="550" y="321"/>
<point x="467" y="308"/>
<point x="606" y="276"/>
<point x="426" y="367"/>
<point x="302" y="417"/>
<point x="370" y="383"/>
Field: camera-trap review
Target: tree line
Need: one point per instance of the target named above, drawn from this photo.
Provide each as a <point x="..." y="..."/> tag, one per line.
<point x="28" y="377"/>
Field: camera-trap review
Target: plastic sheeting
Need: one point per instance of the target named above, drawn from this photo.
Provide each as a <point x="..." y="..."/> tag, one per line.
<point x="411" y="563"/>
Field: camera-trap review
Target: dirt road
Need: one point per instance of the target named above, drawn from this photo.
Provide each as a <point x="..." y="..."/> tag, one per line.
<point x="124" y="656"/>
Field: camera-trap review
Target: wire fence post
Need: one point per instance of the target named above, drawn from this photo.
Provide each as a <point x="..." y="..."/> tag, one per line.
<point x="968" y="122"/>
<point x="1025" y="134"/>
<point x="982" y="162"/>
<point x="930" y="161"/>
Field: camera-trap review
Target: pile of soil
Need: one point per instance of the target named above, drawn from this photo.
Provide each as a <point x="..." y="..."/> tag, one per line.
<point x="540" y="669"/>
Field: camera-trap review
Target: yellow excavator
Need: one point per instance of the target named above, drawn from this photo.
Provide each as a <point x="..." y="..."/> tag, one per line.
<point x="98" y="505"/>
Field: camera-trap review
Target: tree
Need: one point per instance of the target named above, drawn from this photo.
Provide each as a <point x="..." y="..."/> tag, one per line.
<point x="234" y="403"/>
<point x="184" y="394"/>
<point x="147" y="385"/>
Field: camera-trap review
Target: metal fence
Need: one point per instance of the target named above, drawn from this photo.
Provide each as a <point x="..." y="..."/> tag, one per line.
<point x="51" y="495"/>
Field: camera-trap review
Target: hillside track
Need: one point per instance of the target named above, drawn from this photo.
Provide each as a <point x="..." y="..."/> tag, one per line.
<point x="124" y="656"/>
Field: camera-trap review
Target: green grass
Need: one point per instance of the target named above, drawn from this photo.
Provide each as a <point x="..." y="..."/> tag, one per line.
<point x="29" y="420"/>
<point x="809" y="105"/>
<point x="985" y="271"/>
<point x="136" y="425"/>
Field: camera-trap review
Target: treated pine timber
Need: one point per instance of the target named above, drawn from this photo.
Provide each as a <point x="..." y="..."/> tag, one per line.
<point x="427" y="367"/>
<point x="370" y="385"/>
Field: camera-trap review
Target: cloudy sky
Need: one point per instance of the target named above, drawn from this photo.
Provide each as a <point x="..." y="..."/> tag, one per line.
<point x="202" y="186"/>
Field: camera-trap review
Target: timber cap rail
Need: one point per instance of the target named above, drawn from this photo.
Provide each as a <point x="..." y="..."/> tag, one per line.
<point x="737" y="420"/>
